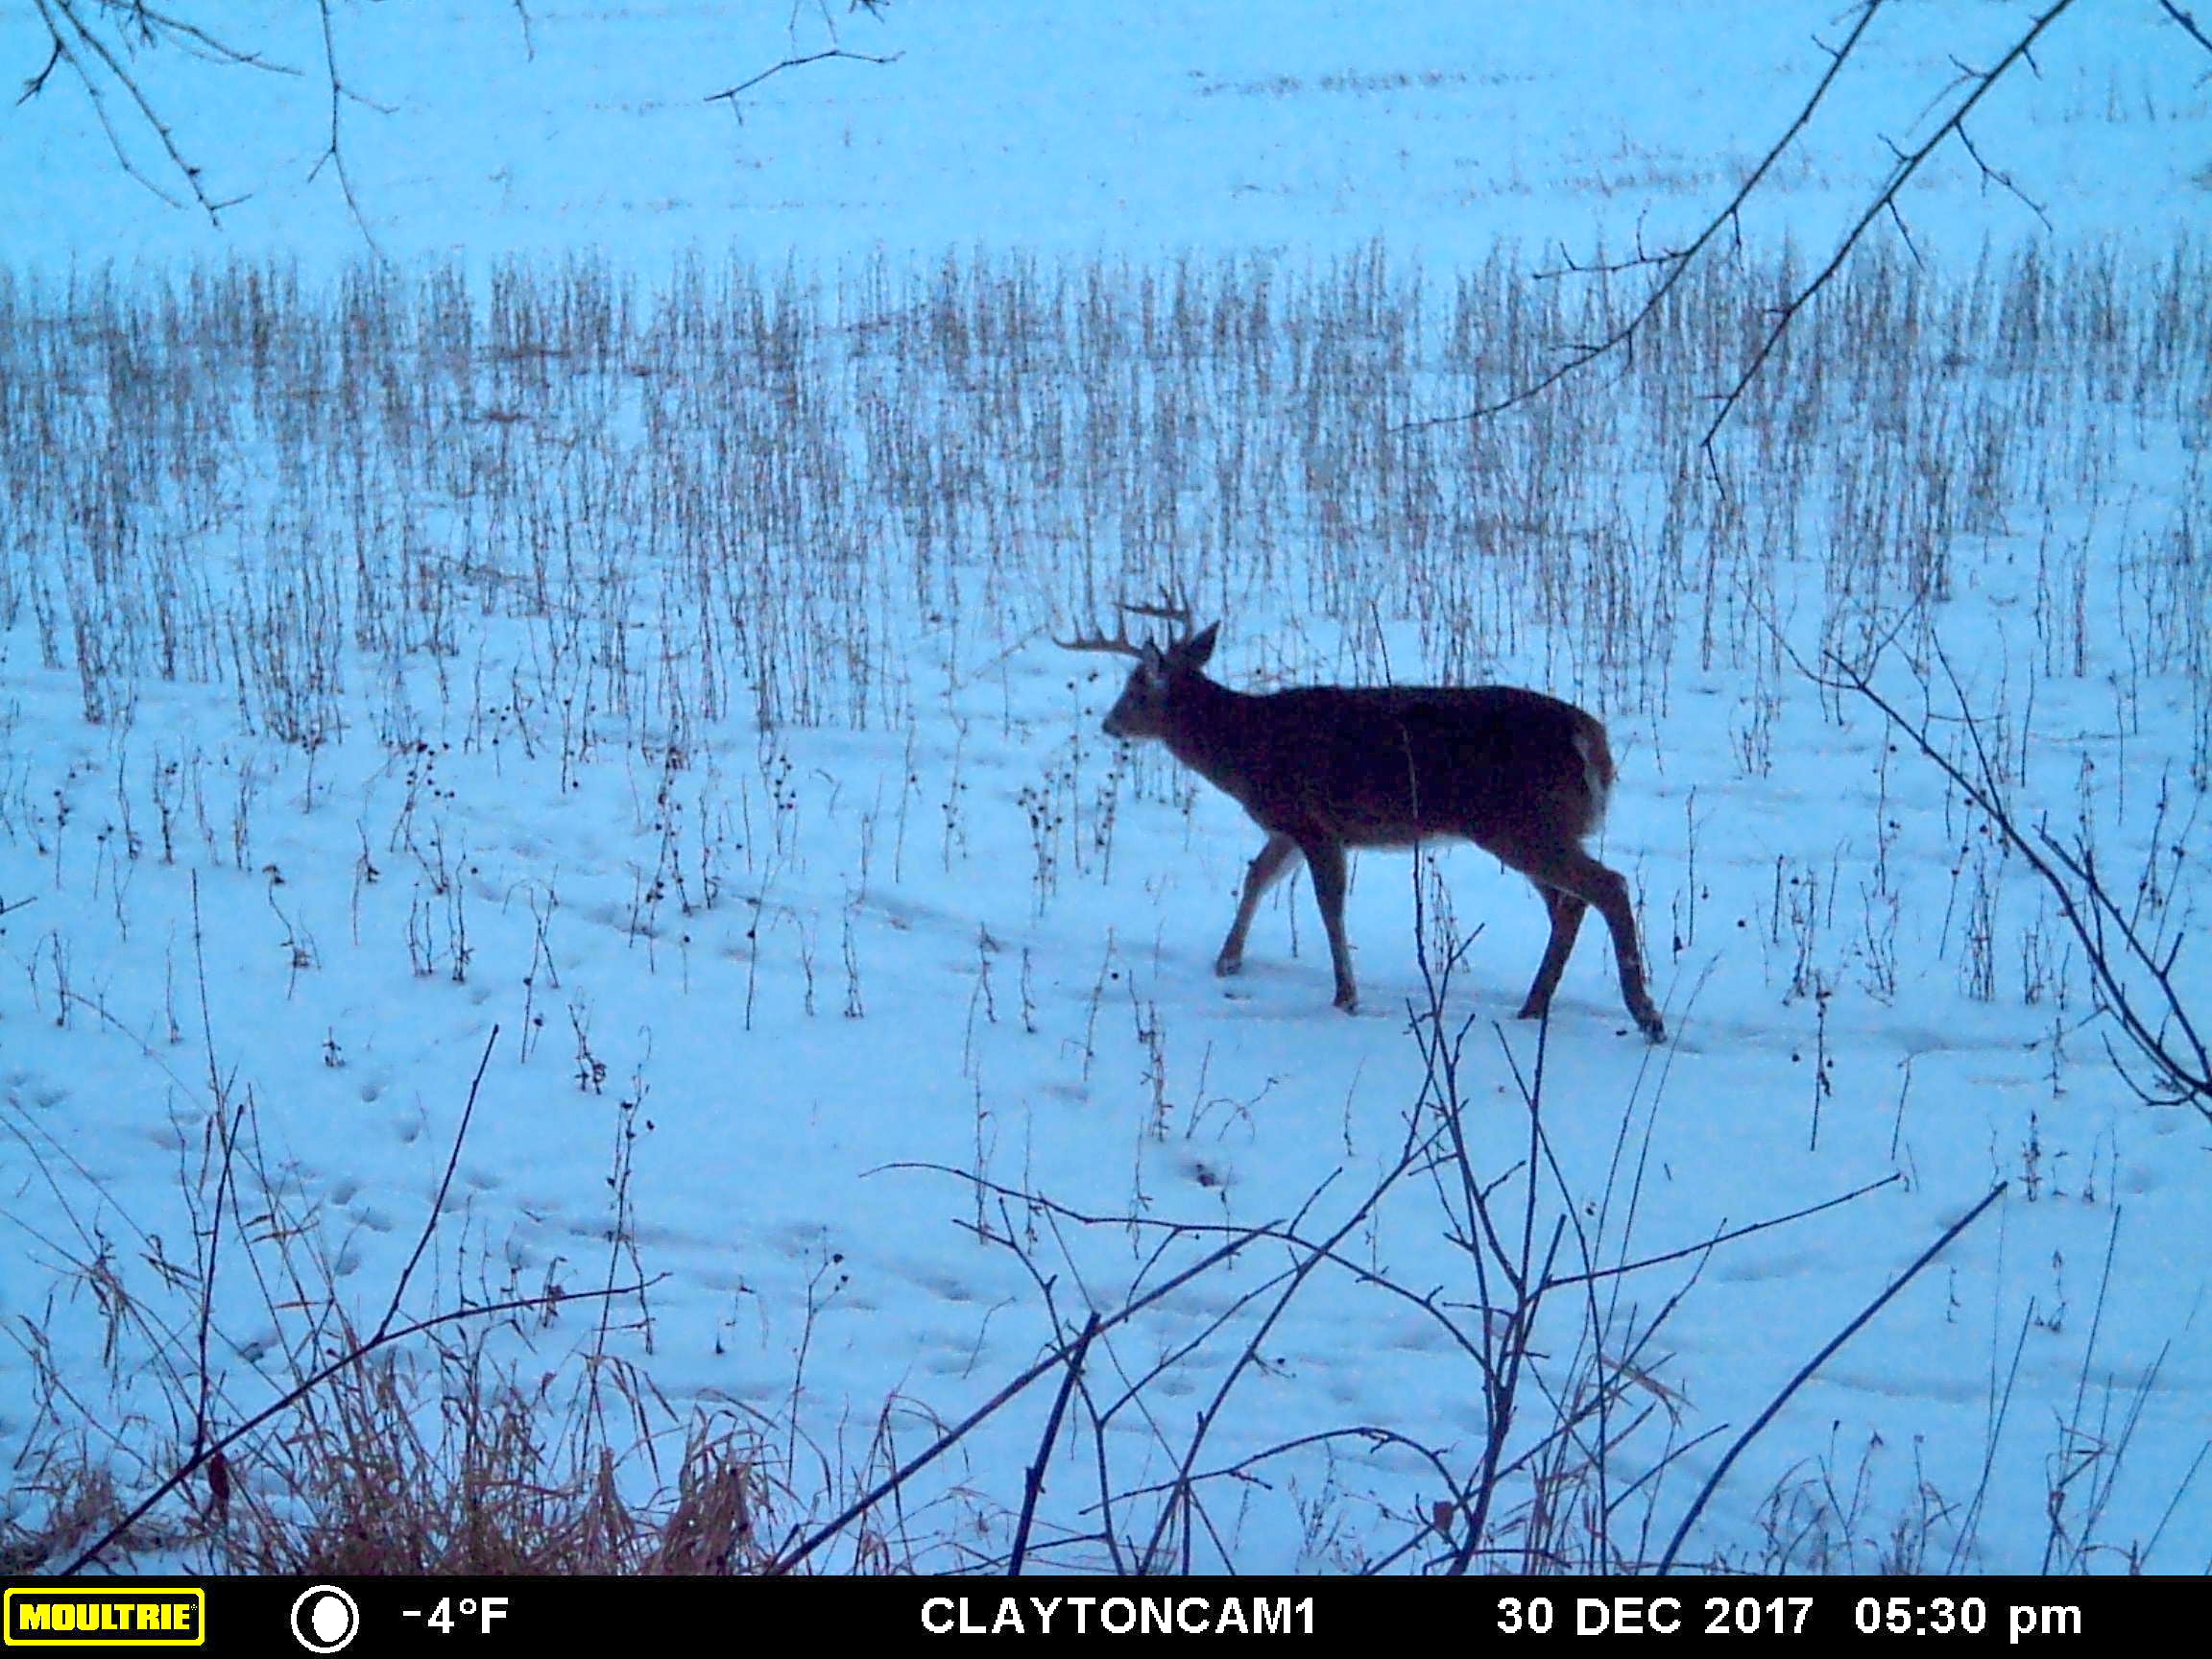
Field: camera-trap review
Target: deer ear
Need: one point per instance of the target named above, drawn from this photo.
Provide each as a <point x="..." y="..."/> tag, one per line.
<point x="1196" y="651"/>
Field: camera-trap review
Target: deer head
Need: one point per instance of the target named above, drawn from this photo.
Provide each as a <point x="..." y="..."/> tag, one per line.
<point x="1143" y="708"/>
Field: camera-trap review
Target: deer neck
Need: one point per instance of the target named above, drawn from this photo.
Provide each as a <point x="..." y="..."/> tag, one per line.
<point x="1211" y="731"/>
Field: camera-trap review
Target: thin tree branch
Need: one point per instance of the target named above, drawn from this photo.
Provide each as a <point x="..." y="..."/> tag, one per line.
<point x="1811" y="1368"/>
<point x="154" y="24"/>
<point x="789" y="1559"/>
<point x="2183" y="1060"/>
<point x="1034" y="1483"/>
<point x="1885" y="202"/>
<point x="2186" y="21"/>
<point x="59" y="13"/>
<point x="731" y="92"/>
<point x="445" y="1186"/>
<point x="333" y="152"/>
<point x="1725" y="219"/>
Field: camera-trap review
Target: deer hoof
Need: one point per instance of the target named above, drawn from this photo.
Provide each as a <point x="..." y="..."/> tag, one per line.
<point x="1225" y="966"/>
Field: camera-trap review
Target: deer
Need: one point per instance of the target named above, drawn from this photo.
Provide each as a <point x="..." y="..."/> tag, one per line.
<point x="1323" y="769"/>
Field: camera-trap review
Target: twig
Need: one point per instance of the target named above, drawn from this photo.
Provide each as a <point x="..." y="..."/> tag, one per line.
<point x="1034" y="1481"/>
<point x="1679" y="260"/>
<point x="1811" y="1367"/>
<point x="1622" y="1269"/>
<point x="2187" y="23"/>
<point x="789" y="1559"/>
<point x="2184" y="1059"/>
<point x="54" y="13"/>
<point x="731" y="92"/>
<point x="333" y="152"/>
<point x="445" y="1186"/>
<point x="62" y="18"/>
<point x="1885" y="202"/>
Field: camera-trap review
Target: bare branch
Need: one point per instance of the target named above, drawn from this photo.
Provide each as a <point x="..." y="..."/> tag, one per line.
<point x="62" y="22"/>
<point x="731" y="92"/>
<point x="1034" y="1482"/>
<point x="1885" y="202"/>
<point x="193" y="39"/>
<point x="1907" y="163"/>
<point x="793" y="1557"/>
<point x="1811" y="1367"/>
<point x="1679" y="260"/>
<point x="1994" y="176"/>
<point x="2186" y="21"/>
<point x="2156" y="1021"/>
<point x="333" y="153"/>
<point x="98" y="41"/>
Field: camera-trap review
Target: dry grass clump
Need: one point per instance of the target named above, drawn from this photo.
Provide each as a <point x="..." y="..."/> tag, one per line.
<point x="404" y="1468"/>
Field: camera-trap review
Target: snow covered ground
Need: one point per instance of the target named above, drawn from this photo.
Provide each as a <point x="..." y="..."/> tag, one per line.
<point x="616" y="614"/>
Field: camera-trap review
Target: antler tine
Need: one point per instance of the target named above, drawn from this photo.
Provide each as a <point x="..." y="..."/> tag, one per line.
<point x="1121" y="645"/>
<point x="1167" y="609"/>
<point x="1170" y="609"/>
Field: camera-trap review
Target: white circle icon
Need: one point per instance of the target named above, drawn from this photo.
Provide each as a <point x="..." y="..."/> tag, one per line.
<point x="325" y="1618"/>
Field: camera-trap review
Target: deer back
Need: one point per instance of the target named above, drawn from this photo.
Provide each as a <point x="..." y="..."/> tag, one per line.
<point x="1380" y="766"/>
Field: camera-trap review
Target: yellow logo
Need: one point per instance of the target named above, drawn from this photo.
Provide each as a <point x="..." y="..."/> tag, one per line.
<point x="106" y="1618"/>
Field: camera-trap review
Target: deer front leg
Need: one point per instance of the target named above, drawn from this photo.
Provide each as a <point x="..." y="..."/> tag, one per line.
<point x="1266" y="870"/>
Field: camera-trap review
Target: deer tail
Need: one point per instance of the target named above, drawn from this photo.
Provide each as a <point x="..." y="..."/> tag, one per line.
<point x="1596" y="767"/>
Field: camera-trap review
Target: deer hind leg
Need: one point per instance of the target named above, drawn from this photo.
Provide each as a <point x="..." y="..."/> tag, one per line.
<point x="1565" y="912"/>
<point x="1577" y="878"/>
<point x="1266" y="870"/>
<point x="1325" y="862"/>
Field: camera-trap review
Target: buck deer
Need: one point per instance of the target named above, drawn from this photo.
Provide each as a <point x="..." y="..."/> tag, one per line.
<point x="1324" y="768"/>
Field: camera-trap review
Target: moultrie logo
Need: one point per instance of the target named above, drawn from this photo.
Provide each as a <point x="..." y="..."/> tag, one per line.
<point x="111" y="1616"/>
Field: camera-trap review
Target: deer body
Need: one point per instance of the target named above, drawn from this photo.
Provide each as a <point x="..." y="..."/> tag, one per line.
<point x="1323" y="769"/>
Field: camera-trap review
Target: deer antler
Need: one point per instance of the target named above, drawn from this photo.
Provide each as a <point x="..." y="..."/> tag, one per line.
<point x="1121" y="645"/>
<point x="1167" y="609"/>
